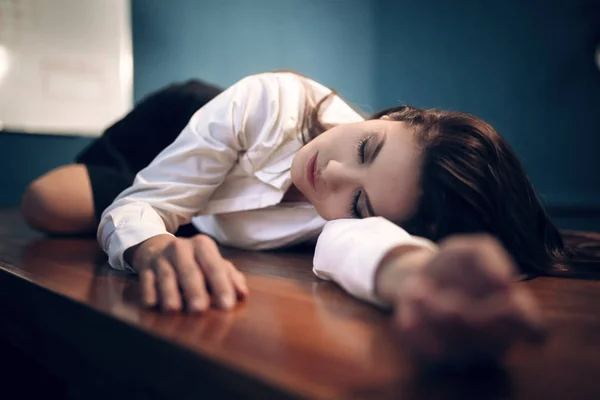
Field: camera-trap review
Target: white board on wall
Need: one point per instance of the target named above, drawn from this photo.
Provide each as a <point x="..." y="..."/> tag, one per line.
<point x="66" y="66"/>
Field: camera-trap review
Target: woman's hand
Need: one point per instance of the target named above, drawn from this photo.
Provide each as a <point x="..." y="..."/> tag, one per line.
<point x="177" y="270"/>
<point x="462" y="307"/>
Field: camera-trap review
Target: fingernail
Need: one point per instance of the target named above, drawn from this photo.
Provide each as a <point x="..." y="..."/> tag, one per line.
<point x="148" y="304"/>
<point x="227" y="302"/>
<point x="197" y="305"/>
<point x="170" y="306"/>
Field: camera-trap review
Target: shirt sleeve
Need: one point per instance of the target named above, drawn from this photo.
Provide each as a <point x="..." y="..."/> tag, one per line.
<point x="349" y="251"/>
<point x="177" y="184"/>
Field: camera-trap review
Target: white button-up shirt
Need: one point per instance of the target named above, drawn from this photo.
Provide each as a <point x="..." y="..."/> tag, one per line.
<point x="227" y="173"/>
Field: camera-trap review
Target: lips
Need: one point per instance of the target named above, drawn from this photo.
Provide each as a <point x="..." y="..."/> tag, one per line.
<point x="311" y="171"/>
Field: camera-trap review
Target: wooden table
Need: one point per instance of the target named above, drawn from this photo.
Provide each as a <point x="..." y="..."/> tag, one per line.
<point x="65" y="311"/>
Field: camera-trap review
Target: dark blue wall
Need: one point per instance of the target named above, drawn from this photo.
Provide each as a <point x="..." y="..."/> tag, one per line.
<point x="23" y="157"/>
<point x="224" y="40"/>
<point x="525" y="66"/>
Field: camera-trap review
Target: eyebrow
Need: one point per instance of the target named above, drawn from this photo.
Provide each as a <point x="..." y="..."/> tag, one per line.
<point x="373" y="156"/>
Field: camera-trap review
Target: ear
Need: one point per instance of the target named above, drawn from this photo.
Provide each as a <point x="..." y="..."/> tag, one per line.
<point x="385" y="118"/>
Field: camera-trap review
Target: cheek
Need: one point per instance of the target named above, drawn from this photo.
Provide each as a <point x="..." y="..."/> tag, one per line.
<point x="331" y="208"/>
<point x="298" y="163"/>
<point x="325" y="140"/>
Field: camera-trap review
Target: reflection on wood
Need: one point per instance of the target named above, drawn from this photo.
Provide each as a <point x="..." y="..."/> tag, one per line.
<point x="295" y="335"/>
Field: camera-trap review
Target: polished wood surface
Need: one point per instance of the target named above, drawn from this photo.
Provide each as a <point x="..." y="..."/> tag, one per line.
<point x="295" y="336"/>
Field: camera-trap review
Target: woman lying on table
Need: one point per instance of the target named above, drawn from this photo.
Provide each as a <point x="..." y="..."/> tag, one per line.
<point x="267" y="162"/>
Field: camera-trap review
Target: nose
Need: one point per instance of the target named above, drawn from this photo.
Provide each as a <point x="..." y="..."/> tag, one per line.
<point x="338" y="177"/>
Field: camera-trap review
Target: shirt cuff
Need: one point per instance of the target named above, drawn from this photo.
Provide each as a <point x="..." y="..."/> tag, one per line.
<point x="349" y="251"/>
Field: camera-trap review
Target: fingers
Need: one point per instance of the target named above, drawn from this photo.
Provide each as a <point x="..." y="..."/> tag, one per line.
<point x="185" y="270"/>
<point x="529" y="316"/>
<point x="216" y="270"/>
<point x="506" y="317"/>
<point x="239" y="283"/>
<point x="477" y="263"/>
<point x="462" y="307"/>
<point x="417" y="332"/>
<point x="168" y="290"/>
<point x="148" y="282"/>
<point x="190" y="277"/>
<point x="423" y="341"/>
<point x="470" y="329"/>
<point x="449" y="326"/>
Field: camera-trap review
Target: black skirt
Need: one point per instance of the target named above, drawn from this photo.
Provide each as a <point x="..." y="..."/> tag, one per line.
<point x="113" y="160"/>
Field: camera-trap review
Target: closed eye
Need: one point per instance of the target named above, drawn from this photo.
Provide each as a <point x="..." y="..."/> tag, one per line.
<point x="362" y="145"/>
<point x="354" y="211"/>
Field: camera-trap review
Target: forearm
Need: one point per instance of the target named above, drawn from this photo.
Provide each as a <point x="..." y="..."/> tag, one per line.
<point x="396" y="266"/>
<point x="353" y="252"/>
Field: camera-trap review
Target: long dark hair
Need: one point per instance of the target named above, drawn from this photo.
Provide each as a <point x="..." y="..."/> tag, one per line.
<point x="472" y="181"/>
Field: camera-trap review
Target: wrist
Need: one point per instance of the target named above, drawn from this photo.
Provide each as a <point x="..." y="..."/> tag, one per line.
<point x="397" y="265"/>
